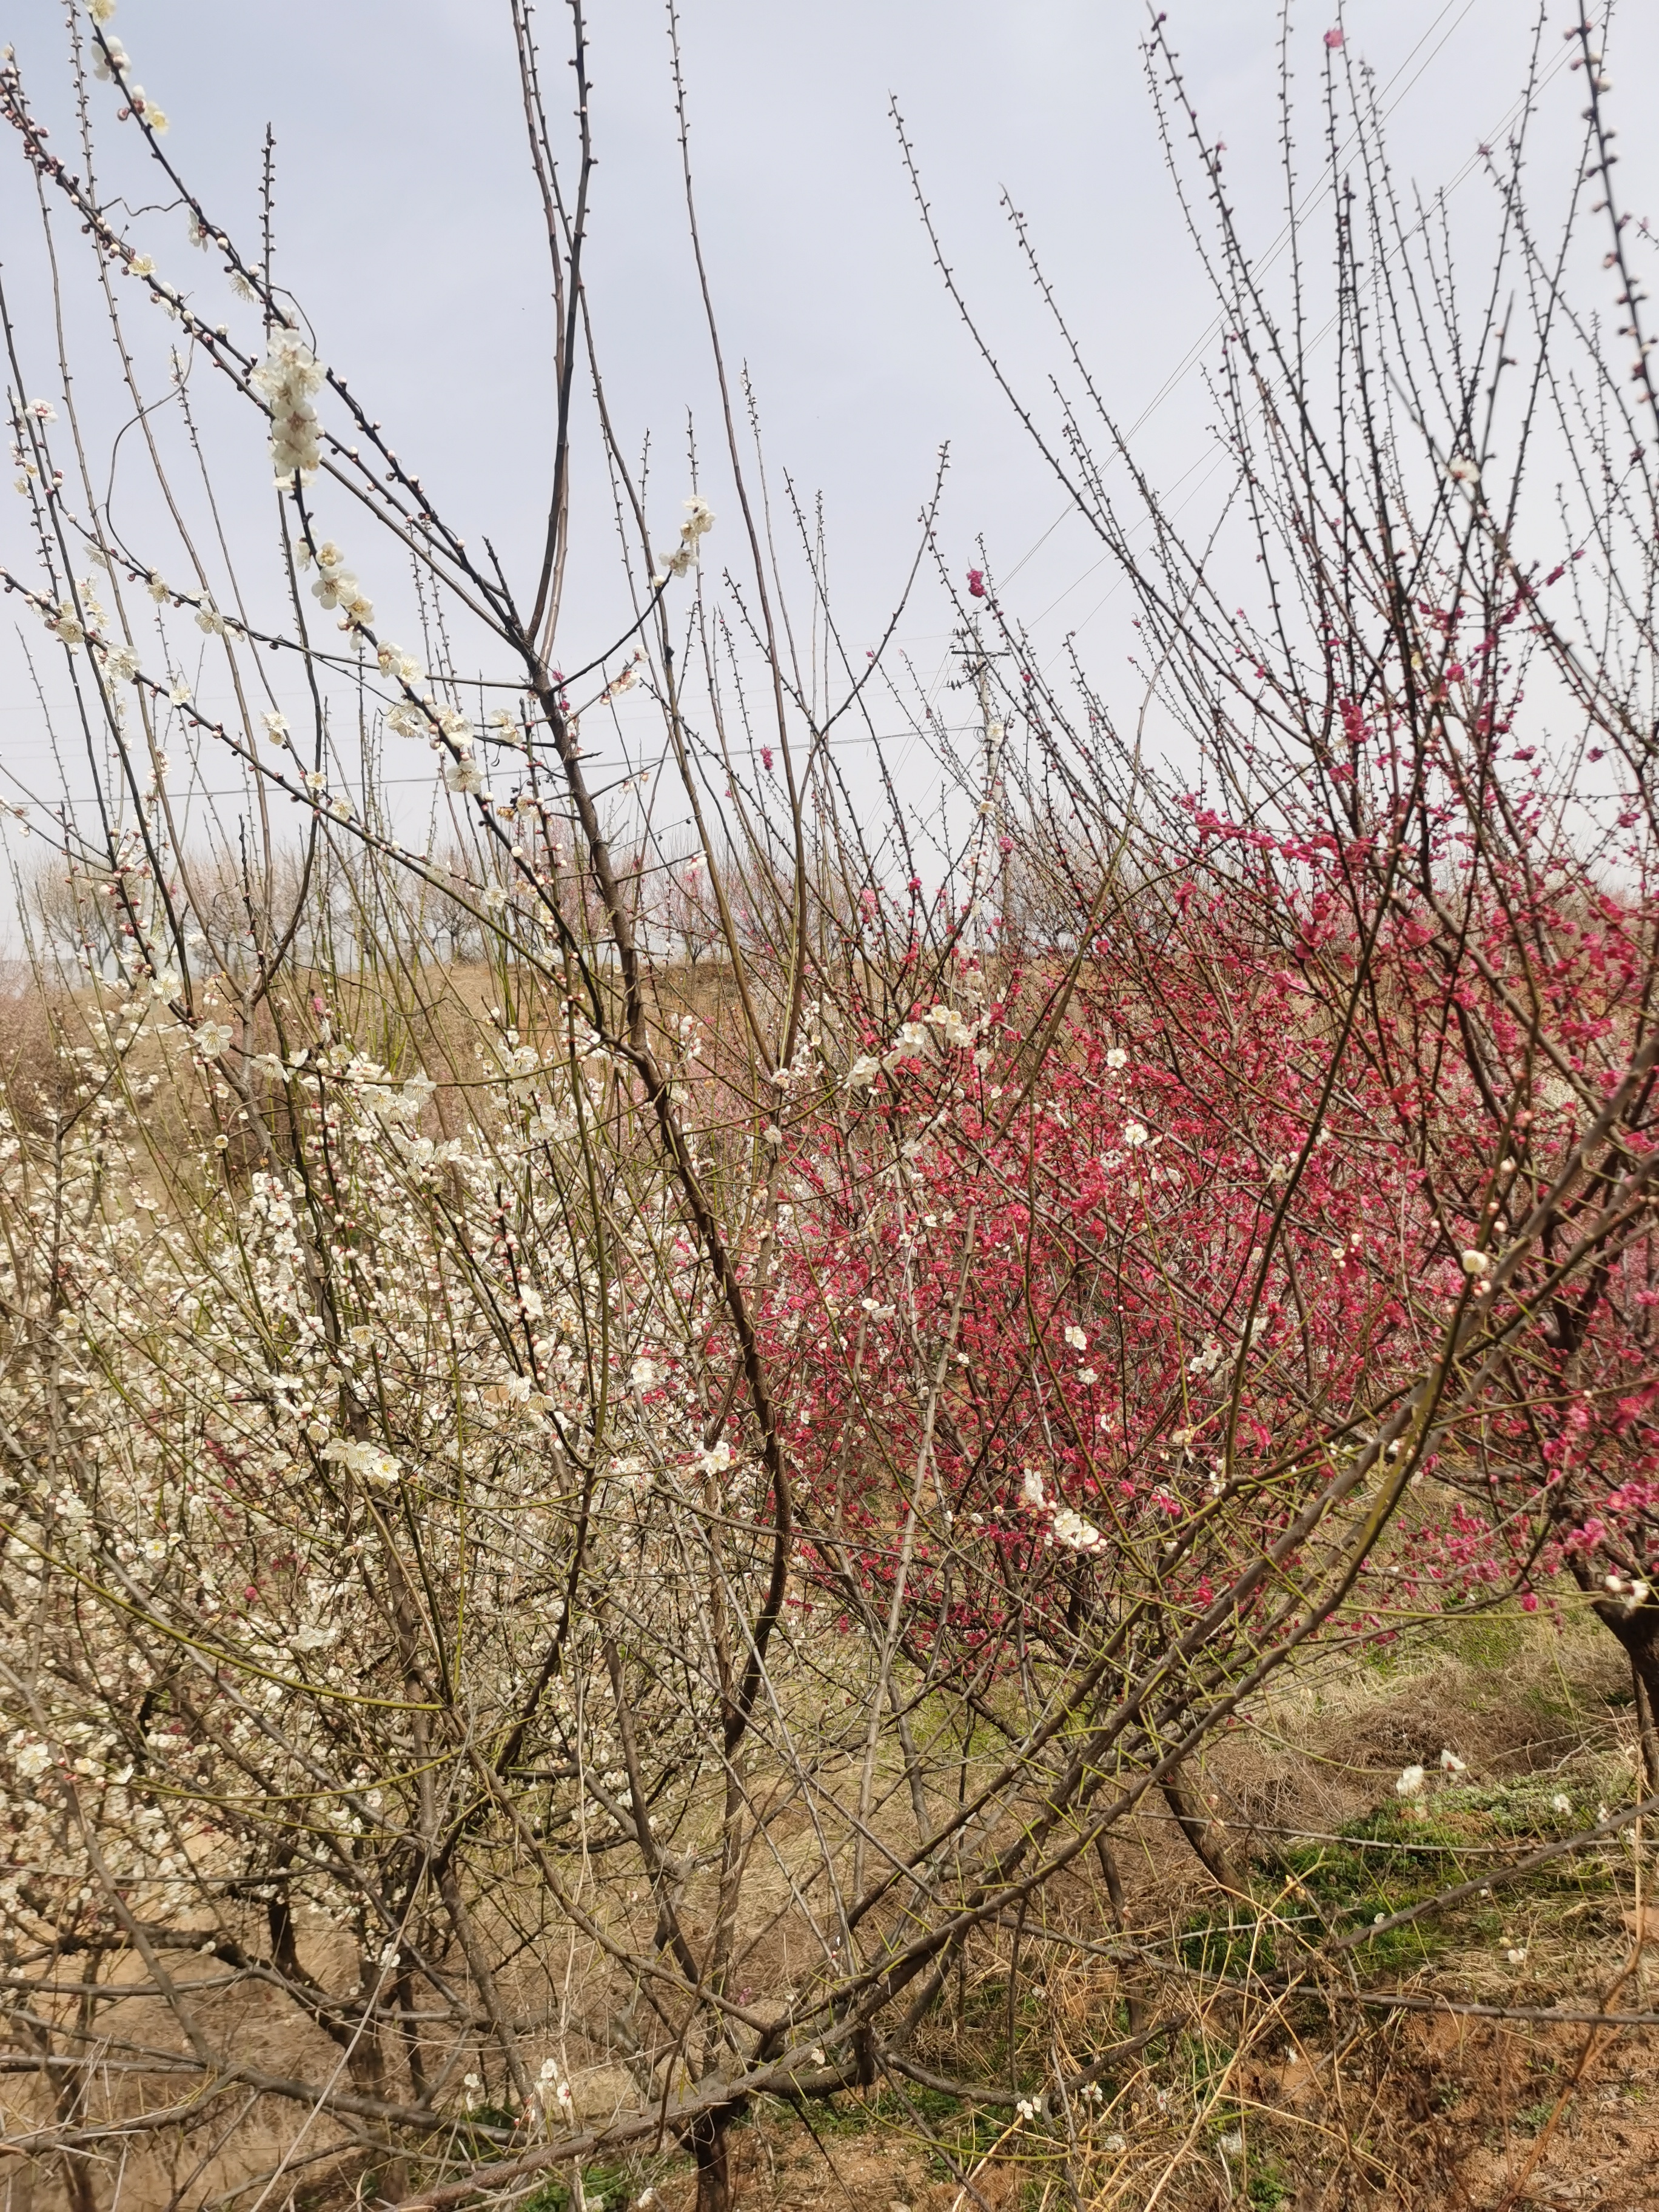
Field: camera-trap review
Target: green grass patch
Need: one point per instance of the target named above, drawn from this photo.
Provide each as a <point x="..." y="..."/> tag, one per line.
<point x="1404" y="1853"/>
<point x="616" y="2185"/>
<point x="1267" y="2185"/>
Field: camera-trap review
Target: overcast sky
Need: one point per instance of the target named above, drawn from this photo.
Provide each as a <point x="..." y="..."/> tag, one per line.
<point x="407" y="224"/>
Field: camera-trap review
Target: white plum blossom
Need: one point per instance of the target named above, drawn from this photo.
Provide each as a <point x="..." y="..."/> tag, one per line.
<point x="29" y="1755"/>
<point x="630" y="674"/>
<point x="464" y="774"/>
<point x="1208" y="1362"/>
<point x="371" y="1462"/>
<point x="1076" y="1534"/>
<point x="286" y="381"/>
<point x="909" y="1043"/>
<point x="700" y="519"/>
<point x="336" y="586"/>
<point x="1135" y="1135"/>
<point x="1076" y="1338"/>
<point x="953" y="1030"/>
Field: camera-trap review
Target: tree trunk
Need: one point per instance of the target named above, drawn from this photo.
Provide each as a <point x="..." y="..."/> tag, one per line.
<point x="709" y="2147"/>
<point x="1207" y="1846"/>
<point x="1136" y="2009"/>
<point x="1645" y="1681"/>
<point x="1637" y="1629"/>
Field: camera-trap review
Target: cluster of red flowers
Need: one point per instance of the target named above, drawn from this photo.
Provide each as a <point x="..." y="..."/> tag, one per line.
<point x="1104" y="1300"/>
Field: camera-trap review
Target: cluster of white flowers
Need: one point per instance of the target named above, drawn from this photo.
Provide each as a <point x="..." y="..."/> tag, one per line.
<point x="1634" y="1592"/>
<point x="1412" y="1780"/>
<point x="1066" y="1527"/>
<point x="286" y="380"/>
<point x="110" y="56"/>
<point x="1206" y="1361"/>
<point x="248" y="1385"/>
<point x="912" y="1040"/>
<point x="336" y="586"/>
<point x="1077" y="1534"/>
<point x="371" y="1461"/>
<point x="699" y="520"/>
<point x="950" y="1028"/>
<point x="631" y="672"/>
<point x="392" y="660"/>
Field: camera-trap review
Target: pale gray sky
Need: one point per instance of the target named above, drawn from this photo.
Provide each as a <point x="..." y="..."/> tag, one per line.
<point x="407" y="226"/>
